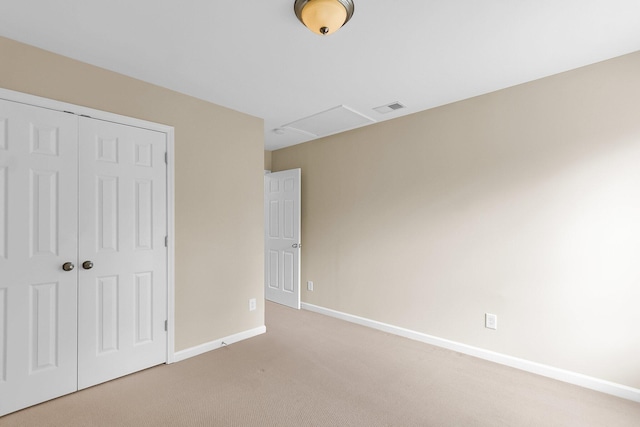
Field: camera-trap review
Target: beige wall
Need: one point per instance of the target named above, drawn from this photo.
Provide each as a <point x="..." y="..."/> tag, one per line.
<point x="218" y="184"/>
<point x="524" y="203"/>
<point x="267" y="160"/>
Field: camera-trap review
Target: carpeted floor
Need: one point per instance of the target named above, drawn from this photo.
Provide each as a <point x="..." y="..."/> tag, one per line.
<point x="313" y="370"/>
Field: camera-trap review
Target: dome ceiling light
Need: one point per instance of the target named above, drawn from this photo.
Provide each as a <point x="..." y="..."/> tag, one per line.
<point x="323" y="17"/>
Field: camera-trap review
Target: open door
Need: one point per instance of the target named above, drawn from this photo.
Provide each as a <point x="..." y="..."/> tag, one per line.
<point x="282" y="237"/>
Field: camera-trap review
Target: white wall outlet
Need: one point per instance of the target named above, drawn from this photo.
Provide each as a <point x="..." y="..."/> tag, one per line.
<point x="309" y="285"/>
<point x="490" y="321"/>
<point x="252" y="304"/>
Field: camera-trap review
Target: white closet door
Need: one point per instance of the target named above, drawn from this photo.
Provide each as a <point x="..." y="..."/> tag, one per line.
<point x="122" y="297"/>
<point x="38" y="234"/>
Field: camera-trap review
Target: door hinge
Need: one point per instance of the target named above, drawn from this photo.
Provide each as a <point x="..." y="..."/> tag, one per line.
<point x="166" y="325"/>
<point x="166" y="158"/>
<point x="166" y="241"/>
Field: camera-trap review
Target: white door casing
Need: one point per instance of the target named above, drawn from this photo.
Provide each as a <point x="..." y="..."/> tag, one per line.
<point x="122" y="296"/>
<point x="282" y="237"/>
<point x="39" y="232"/>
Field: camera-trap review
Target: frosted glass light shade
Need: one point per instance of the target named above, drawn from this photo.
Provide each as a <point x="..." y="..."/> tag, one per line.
<point x="323" y="17"/>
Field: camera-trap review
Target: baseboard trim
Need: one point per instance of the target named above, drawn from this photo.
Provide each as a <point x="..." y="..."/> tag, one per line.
<point x="570" y="377"/>
<point x="215" y="344"/>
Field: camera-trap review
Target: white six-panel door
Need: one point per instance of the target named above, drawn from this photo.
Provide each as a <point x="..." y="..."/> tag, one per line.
<point x="65" y="329"/>
<point x="122" y="297"/>
<point x="38" y="234"/>
<point x="282" y="237"/>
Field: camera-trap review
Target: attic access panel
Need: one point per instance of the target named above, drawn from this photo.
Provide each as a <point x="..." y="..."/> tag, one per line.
<point x="334" y="120"/>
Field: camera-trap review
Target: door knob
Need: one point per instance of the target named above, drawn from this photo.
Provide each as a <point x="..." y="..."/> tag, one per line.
<point x="68" y="266"/>
<point x="87" y="265"/>
<point x="296" y="245"/>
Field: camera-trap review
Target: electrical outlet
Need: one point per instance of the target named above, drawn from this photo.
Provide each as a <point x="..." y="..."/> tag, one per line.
<point x="310" y="285"/>
<point x="252" y="304"/>
<point x="490" y="321"/>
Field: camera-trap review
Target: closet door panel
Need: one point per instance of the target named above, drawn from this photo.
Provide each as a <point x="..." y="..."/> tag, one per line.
<point x="38" y="234"/>
<point x="122" y="297"/>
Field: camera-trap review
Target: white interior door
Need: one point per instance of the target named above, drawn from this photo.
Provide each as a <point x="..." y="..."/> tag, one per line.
<point x="123" y="224"/>
<point x="38" y="234"/>
<point x="282" y="237"/>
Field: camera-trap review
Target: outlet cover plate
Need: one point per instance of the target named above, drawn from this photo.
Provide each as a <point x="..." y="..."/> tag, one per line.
<point x="490" y="321"/>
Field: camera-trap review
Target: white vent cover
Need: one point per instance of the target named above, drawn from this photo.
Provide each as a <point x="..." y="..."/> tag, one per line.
<point x="334" y="120"/>
<point x="389" y="107"/>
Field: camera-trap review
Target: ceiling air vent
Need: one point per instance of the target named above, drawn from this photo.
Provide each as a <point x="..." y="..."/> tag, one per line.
<point x="383" y="109"/>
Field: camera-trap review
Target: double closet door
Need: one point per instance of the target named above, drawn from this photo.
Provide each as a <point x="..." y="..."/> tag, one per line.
<point x="83" y="262"/>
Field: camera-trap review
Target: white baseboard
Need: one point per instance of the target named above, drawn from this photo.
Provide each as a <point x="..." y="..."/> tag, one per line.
<point x="212" y="345"/>
<point x="585" y="381"/>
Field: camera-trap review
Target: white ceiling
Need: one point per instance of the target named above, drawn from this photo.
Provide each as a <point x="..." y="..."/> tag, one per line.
<point x="254" y="56"/>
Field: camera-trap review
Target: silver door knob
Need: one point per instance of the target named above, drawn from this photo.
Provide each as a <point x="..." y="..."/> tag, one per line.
<point x="68" y="266"/>
<point x="87" y="265"/>
<point x="296" y="245"/>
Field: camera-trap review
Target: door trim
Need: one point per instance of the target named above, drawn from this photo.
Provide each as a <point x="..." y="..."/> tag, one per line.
<point x="169" y="131"/>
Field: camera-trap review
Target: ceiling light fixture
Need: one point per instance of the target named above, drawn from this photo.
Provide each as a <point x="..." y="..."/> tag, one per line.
<point x="323" y="17"/>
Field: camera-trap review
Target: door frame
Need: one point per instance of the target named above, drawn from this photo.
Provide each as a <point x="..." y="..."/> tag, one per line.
<point x="169" y="131"/>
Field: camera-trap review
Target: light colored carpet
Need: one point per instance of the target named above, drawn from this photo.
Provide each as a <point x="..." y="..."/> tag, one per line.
<point x="313" y="370"/>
